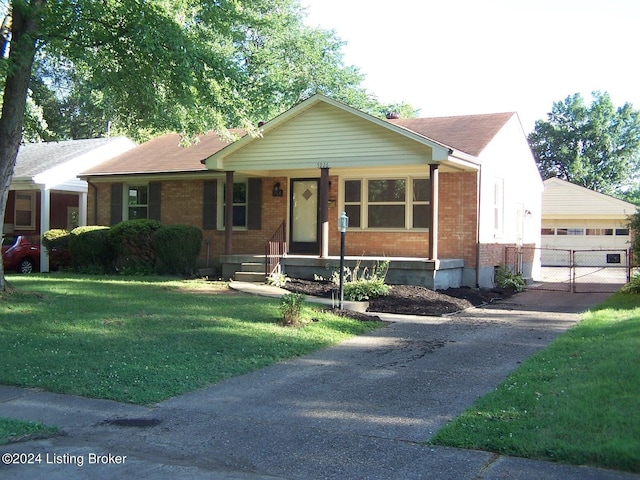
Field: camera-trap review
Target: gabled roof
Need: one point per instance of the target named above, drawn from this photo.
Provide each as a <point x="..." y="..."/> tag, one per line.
<point x="456" y="139"/>
<point x="439" y="151"/>
<point x="163" y="154"/>
<point x="562" y="199"/>
<point x="36" y="158"/>
<point x="467" y="133"/>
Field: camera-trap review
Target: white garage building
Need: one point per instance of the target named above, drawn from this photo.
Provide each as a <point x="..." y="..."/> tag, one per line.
<point x="576" y="218"/>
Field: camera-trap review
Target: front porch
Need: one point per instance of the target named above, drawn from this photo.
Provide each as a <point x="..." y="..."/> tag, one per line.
<point x="434" y="274"/>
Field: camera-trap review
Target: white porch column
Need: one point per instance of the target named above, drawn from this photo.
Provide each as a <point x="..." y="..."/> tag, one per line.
<point x="82" y="209"/>
<point x="45" y="212"/>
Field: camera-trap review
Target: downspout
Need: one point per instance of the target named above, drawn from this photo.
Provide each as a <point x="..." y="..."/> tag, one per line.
<point x="478" y="210"/>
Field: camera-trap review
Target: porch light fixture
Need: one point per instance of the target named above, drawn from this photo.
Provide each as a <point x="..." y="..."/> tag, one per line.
<point x="277" y="191"/>
<point x="343" y="224"/>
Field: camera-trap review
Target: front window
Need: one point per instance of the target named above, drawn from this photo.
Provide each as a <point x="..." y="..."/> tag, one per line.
<point x="239" y="204"/>
<point x="386" y="203"/>
<point x="25" y="211"/>
<point x="138" y="202"/>
<point x="389" y="203"/>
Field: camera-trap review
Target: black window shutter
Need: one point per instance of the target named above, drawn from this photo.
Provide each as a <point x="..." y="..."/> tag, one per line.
<point x="154" y="201"/>
<point x="116" y="203"/>
<point x="209" y="205"/>
<point x="254" y="204"/>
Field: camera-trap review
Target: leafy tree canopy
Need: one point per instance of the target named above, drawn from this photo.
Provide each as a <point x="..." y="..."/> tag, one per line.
<point x="596" y="146"/>
<point x="150" y="66"/>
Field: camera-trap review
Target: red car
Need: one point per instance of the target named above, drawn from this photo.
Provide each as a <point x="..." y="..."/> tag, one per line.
<point x="20" y="254"/>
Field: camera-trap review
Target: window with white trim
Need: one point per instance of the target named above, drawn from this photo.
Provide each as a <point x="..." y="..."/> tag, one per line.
<point x="388" y="203"/>
<point x="24" y="217"/>
<point x="137" y="202"/>
<point x="240" y="203"/>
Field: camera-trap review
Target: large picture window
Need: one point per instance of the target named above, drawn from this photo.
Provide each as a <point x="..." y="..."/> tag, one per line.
<point x="388" y="203"/>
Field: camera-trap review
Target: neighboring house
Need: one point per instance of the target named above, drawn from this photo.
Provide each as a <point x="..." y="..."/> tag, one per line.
<point x="45" y="191"/>
<point x="440" y="197"/>
<point x="576" y="218"/>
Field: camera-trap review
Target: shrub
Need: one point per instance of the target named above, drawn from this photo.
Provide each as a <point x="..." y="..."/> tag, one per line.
<point x="365" y="289"/>
<point x="364" y="284"/>
<point x="90" y="249"/>
<point x="504" y="278"/>
<point x="56" y="241"/>
<point x="132" y="243"/>
<point x="177" y="248"/>
<point x="291" y="308"/>
<point x="277" y="279"/>
<point x="633" y="286"/>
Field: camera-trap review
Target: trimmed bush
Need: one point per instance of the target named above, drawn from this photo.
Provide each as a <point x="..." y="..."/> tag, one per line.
<point x="132" y="243"/>
<point x="177" y="248"/>
<point x="56" y="241"/>
<point x="90" y="249"/>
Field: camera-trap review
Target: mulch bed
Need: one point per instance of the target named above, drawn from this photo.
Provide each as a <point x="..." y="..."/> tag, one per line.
<point x="409" y="299"/>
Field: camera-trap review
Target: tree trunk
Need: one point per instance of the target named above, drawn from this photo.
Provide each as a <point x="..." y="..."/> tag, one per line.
<point x="25" y="16"/>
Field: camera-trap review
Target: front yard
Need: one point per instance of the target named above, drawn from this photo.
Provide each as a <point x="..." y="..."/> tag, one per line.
<point x="143" y="340"/>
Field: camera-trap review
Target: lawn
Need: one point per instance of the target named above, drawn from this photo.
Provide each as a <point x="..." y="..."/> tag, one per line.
<point x="575" y="402"/>
<point x="143" y="340"/>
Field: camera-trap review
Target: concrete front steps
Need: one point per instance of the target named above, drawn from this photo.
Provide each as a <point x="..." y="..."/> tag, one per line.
<point x="251" y="272"/>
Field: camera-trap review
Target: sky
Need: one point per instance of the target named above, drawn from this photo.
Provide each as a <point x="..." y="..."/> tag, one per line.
<point x="457" y="57"/>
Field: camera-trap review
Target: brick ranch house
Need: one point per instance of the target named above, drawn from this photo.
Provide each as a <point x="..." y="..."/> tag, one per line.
<point x="439" y="197"/>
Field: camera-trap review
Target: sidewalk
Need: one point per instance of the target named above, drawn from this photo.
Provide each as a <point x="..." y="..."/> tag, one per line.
<point x="359" y="410"/>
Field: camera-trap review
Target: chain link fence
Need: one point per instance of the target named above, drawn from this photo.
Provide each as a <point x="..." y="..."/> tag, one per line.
<point x="580" y="271"/>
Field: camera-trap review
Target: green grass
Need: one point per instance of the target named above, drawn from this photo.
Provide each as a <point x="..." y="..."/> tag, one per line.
<point x="143" y="340"/>
<point x="18" y="430"/>
<point x="576" y="402"/>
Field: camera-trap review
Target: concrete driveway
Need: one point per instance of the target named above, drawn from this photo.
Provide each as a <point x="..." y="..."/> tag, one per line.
<point x="359" y="410"/>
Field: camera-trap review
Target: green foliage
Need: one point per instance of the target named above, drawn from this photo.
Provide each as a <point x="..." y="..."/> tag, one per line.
<point x="56" y="241"/>
<point x="634" y="226"/>
<point x="90" y="249"/>
<point x="132" y="242"/>
<point x="504" y="278"/>
<point x="214" y="50"/>
<point x="291" y="308"/>
<point x="363" y="284"/>
<point x="596" y="147"/>
<point x="177" y="248"/>
<point x="633" y="287"/>
<point x="12" y="431"/>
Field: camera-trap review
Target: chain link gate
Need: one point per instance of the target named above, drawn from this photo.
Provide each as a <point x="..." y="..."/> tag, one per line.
<point x="580" y="271"/>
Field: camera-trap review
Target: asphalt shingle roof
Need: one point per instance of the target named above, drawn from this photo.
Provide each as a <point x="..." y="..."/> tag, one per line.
<point x="467" y="133"/>
<point x="35" y="158"/>
<point x="163" y="154"/>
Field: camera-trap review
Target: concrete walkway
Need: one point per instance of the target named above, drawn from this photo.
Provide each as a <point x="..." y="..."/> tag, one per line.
<point x="359" y="410"/>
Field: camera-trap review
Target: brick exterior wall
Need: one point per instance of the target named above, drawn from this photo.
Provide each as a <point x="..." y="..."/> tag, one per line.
<point x="458" y="212"/>
<point x="182" y="203"/>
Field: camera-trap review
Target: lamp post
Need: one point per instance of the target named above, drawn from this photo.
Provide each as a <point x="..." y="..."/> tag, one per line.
<point x="343" y="223"/>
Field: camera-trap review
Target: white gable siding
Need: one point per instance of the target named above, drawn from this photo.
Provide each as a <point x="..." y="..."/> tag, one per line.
<point x="508" y="162"/>
<point x="565" y="200"/>
<point x="326" y="135"/>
